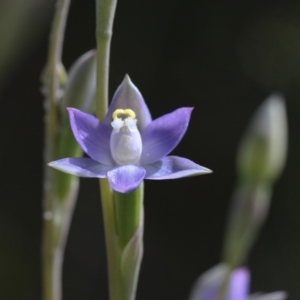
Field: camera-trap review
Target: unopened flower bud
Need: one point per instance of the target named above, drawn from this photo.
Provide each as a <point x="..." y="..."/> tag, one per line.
<point x="81" y="87"/>
<point x="262" y="153"/>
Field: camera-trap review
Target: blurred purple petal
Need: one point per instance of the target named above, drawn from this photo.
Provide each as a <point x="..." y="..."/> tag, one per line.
<point x="128" y="96"/>
<point x="239" y="285"/>
<point x="172" y="167"/>
<point x="208" y="285"/>
<point x="127" y="178"/>
<point x="280" y="295"/>
<point x="92" y="136"/>
<point x="162" y="135"/>
<point x="84" y="167"/>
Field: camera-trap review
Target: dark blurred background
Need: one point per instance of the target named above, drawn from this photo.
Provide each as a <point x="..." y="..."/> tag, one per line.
<point x="223" y="58"/>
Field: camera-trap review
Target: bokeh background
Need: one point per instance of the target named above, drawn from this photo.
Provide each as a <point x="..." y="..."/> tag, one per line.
<point x="223" y="58"/>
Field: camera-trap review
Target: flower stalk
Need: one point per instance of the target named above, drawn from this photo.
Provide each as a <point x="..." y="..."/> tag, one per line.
<point x="129" y="214"/>
<point x="130" y="226"/>
<point x="105" y="12"/>
<point x="55" y="230"/>
<point x="261" y="159"/>
<point x="118" y="209"/>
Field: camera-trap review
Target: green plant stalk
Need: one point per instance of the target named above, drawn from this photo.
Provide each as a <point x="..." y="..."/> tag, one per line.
<point x="105" y="11"/>
<point x="250" y="206"/>
<point x="249" y="210"/>
<point x="123" y="215"/>
<point x="112" y="210"/>
<point x="54" y="227"/>
<point x="129" y="213"/>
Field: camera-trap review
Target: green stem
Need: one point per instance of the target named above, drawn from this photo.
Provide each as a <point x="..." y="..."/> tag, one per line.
<point x="112" y="249"/>
<point x="54" y="59"/>
<point x="129" y="212"/>
<point x="250" y="205"/>
<point x="56" y="228"/>
<point x="52" y="252"/>
<point x="249" y="210"/>
<point x="105" y="17"/>
<point x="105" y="11"/>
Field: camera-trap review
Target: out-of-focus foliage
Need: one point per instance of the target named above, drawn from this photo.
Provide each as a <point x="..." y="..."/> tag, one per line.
<point x="21" y="23"/>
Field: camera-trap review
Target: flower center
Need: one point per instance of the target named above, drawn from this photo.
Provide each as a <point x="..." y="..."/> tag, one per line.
<point x="125" y="139"/>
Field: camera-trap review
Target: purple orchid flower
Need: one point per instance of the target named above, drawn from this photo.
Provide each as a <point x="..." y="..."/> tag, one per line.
<point x="210" y="283"/>
<point x="128" y="146"/>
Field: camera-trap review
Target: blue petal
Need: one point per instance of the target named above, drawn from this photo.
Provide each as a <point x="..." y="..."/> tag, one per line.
<point x="125" y="179"/>
<point x="83" y="167"/>
<point x="92" y="136"/>
<point x="162" y="135"/>
<point x="128" y="96"/>
<point x="209" y="284"/>
<point x="239" y="284"/>
<point x="280" y="295"/>
<point x="172" y="167"/>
